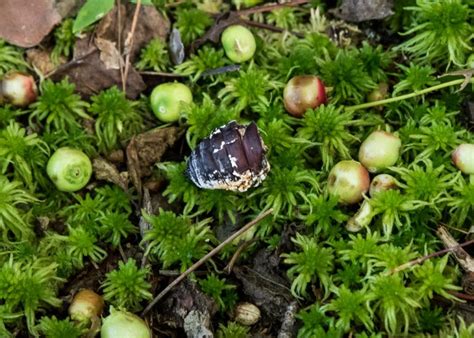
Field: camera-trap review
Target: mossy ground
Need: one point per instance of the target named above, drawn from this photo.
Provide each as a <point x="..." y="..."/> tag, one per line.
<point x="55" y="243"/>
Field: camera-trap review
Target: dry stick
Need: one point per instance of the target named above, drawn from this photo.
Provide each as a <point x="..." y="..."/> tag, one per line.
<point x="205" y="258"/>
<point x="270" y="27"/>
<point x="129" y="45"/>
<point x="236" y="255"/>
<point x="119" y="39"/>
<point x="463" y="258"/>
<point x="424" y="258"/>
<point x="461" y="295"/>
<point x="267" y="8"/>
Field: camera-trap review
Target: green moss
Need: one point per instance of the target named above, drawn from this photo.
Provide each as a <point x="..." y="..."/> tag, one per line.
<point x="345" y="283"/>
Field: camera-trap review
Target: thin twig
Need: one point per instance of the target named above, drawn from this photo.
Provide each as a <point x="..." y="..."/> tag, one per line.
<point x="463" y="258"/>
<point x="270" y="27"/>
<point x="424" y="258"/>
<point x="161" y="74"/>
<point x="143" y="223"/>
<point x="462" y="295"/>
<point x="129" y="45"/>
<point x="220" y="70"/>
<point x="70" y="64"/>
<point x="236" y="255"/>
<point x="205" y="258"/>
<point x="272" y="7"/>
<point x="119" y="38"/>
<point x="268" y="279"/>
<point x="456" y="229"/>
<point x="175" y="273"/>
<point x="122" y="253"/>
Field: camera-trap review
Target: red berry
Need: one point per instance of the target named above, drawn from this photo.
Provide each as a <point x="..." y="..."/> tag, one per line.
<point x="302" y="93"/>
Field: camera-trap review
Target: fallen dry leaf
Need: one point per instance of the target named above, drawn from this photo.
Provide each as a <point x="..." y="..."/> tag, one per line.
<point x="106" y="171"/>
<point x="41" y="60"/>
<point x="133" y="165"/>
<point x="152" y="144"/>
<point x="25" y="23"/>
<point x="98" y="56"/>
<point x="91" y="75"/>
<point x="151" y="24"/>
<point x="109" y="53"/>
<point x="188" y="307"/>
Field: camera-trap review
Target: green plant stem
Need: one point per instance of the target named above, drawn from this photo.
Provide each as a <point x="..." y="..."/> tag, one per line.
<point x="205" y="258"/>
<point x="407" y="96"/>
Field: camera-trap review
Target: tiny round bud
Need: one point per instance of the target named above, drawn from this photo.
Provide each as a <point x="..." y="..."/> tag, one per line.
<point x="69" y="169"/>
<point x="378" y="94"/>
<point x="348" y="180"/>
<point x="239" y="43"/>
<point x="18" y="89"/>
<point x="302" y="93"/>
<point x="167" y="99"/>
<point x="86" y="305"/>
<point x="382" y="182"/>
<point x="247" y="314"/>
<point x="463" y="158"/>
<point x="379" y="151"/>
<point x="121" y="324"/>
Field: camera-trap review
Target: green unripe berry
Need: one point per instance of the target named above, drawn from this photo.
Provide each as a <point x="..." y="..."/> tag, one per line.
<point x="121" y="324"/>
<point x="239" y="43"/>
<point x="167" y="100"/>
<point x="348" y="180"/>
<point x="382" y="182"/>
<point x="69" y="169"/>
<point x="463" y="158"/>
<point x="380" y="150"/>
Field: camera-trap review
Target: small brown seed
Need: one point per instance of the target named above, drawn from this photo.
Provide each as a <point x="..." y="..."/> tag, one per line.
<point x="247" y="314"/>
<point x="86" y="305"/>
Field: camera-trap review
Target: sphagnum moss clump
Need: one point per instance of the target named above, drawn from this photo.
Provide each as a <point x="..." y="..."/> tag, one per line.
<point x="128" y="230"/>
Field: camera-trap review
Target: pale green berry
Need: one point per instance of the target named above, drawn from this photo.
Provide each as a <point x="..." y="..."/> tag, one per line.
<point x="167" y="100"/>
<point x="382" y="182"/>
<point x="122" y="324"/>
<point x="379" y="151"/>
<point x="463" y="158"/>
<point x="69" y="169"/>
<point x="239" y="43"/>
<point x="349" y="181"/>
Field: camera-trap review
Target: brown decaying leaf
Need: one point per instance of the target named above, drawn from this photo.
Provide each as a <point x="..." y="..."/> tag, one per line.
<point x="25" y="23"/>
<point x="180" y="307"/>
<point x="106" y="171"/>
<point x="133" y="165"/>
<point x="40" y="59"/>
<point x="109" y="53"/>
<point x="363" y="10"/>
<point x="152" y="144"/>
<point x="91" y="75"/>
<point x="97" y="60"/>
<point x="151" y="24"/>
<point x="144" y="150"/>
